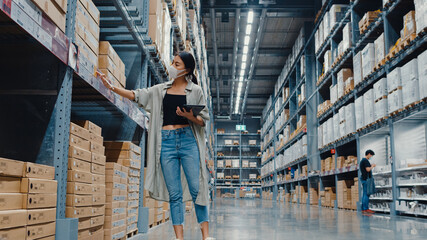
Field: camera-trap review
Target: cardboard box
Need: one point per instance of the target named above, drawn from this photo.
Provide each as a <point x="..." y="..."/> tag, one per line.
<point x="116" y="204"/>
<point x="33" y="170"/>
<point x="410" y="83"/>
<point x="409" y="25"/>
<point x="98" y="210"/>
<point x="368" y="59"/>
<point x="54" y="12"/>
<point x="79" y="188"/>
<point x="88" y="124"/>
<point x="130" y="163"/>
<point x="113" y="211"/>
<point x="80" y="165"/>
<point x="422" y="72"/>
<point x="113" y="155"/>
<point x="105" y="48"/>
<point x="78" y="212"/>
<point x="98" y="159"/>
<point x="394" y="80"/>
<point x="109" y="224"/>
<point x="33" y="185"/>
<point x="14" y="233"/>
<point x="32" y="201"/>
<point x="379" y="49"/>
<point x="95" y="138"/>
<point x="74" y="200"/>
<point x="105" y="62"/>
<point x="117" y="169"/>
<point x="97" y="148"/>
<point x="97" y="221"/>
<point x="40" y="230"/>
<point x="38" y="216"/>
<point x="98" y="169"/>
<point x="11" y="201"/>
<point x="115" y="233"/>
<point x="9" y="167"/>
<point x="48" y="238"/>
<point x="98" y="179"/>
<point x="13" y="218"/>
<point x="123" y="146"/>
<point x="98" y="188"/>
<point x="79" y="142"/>
<point x="79" y="131"/>
<point x="84" y="223"/>
<point x="91" y="9"/>
<point x="79" y="176"/>
<point x="99" y="199"/>
<point x="10" y="185"/>
<point x="75" y="152"/>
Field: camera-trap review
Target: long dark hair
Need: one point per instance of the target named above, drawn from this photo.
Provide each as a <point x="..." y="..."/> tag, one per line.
<point x="189" y="63"/>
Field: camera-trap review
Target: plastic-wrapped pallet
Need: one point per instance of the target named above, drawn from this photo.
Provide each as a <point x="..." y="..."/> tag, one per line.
<point x="336" y="122"/>
<point x="380" y="89"/>
<point x="325" y="133"/>
<point x="394" y="80"/>
<point x="420" y="14"/>
<point x="336" y="13"/>
<point x="166" y="41"/>
<point x="395" y="100"/>
<point x="341" y="114"/>
<point x="379" y="49"/>
<point x="410" y="84"/>
<point x="357" y="68"/>
<point x="330" y="124"/>
<point x="320" y="136"/>
<point x="350" y="120"/>
<point x="368" y="59"/>
<point x="422" y="73"/>
<point x="326" y="25"/>
<point x="380" y="108"/>
<point x="302" y="70"/>
<point x="368" y="102"/>
<point x="359" y="109"/>
<point x="347" y="42"/>
<point x="328" y="61"/>
<point x="334" y="93"/>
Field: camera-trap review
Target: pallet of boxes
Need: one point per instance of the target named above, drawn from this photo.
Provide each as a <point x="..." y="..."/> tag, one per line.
<point x="28" y="196"/>
<point x="158" y="211"/>
<point x="86" y="179"/>
<point x="348" y="194"/>
<point x="128" y="155"/>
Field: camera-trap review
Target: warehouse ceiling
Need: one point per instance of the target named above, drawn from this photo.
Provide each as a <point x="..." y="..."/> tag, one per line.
<point x="276" y="25"/>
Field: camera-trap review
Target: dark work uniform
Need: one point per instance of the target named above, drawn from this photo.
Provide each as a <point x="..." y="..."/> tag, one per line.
<point x="365" y="198"/>
<point x="363" y="165"/>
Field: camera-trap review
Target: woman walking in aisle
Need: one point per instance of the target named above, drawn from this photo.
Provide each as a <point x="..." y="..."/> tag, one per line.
<point x="176" y="139"/>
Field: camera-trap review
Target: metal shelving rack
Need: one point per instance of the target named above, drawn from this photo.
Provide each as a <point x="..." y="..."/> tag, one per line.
<point x="49" y="88"/>
<point x="351" y="144"/>
<point x="236" y="184"/>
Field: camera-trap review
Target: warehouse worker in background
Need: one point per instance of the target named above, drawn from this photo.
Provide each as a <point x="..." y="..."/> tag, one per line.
<point x="366" y="171"/>
<point x="176" y="138"/>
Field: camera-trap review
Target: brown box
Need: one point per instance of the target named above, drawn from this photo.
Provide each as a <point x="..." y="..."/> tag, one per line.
<point x="11" y="201"/>
<point x="10" y="167"/>
<point x="84" y="234"/>
<point x="98" y="169"/>
<point x="97" y="148"/>
<point x="77" y="164"/>
<point x="151" y="213"/>
<point x="95" y="138"/>
<point x="129" y="146"/>
<point x="105" y="62"/>
<point x="33" y="170"/>
<point x="84" y="223"/>
<point x="54" y="12"/>
<point x="74" y="200"/>
<point x="98" y="159"/>
<point x="97" y="221"/>
<point x="99" y="199"/>
<point x="113" y="166"/>
<point x="105" y="48"/>
<point x="79" y="142"/>
<point x="79" y="131"/>
<point x="116" y="204"/>
<point x="13" y="218"/>
<point x="98" y="179"/>
<point x="78" y="212"/>
<point x="48" y="238"/>
<point x="98" y="189"/>
<point x="10" y="185"/>
<point x="130" y="163"/>
<point x="79" y="153"/>
<point x="409" y="25"/>
<point x="92" y="127"/>
<point x="115" y="186"/>
<point x="62" y="5"/>
<point x="45" y="200"/>
<point x="98" y="210"/>
<point x="14" y="233"/>
<point x="38" y="216"/>
<point x="79" y="176"/>
<point x="34" y="185"/>
<point x="113" y="155"/>
<point x="115" y="233"/>
<point x="113" y="211"/>
<point x="40" y="230"/>
<point x="112" y="192"/>
<point x="112" y="179"/>
<point x="79" y="188"/>
<point x="91" y="9"/>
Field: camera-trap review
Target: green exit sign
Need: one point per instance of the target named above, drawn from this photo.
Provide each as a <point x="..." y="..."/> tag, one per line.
<point x="240" y="127"/>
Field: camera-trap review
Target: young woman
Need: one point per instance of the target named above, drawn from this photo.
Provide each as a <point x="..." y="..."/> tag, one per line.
<point x="176" y="168"/>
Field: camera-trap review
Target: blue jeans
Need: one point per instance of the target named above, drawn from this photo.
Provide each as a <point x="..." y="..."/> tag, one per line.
<point x="365" y="196"/>
<point x="179" y="148"/>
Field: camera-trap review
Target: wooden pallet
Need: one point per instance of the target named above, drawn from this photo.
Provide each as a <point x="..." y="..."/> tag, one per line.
<point x="132" y="233"/>
<point x="379" y="65"/>
<point x="397" y="112"/>
<point x="228" y="177"/>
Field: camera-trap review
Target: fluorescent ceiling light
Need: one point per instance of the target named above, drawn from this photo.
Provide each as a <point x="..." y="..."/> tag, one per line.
<point x="250" y="16"/>
<point x="243" y="65"/>
<point x="240" y="85"/>
<point x="244" y="58"/>
<point x="242" y="72"/>
<point x="241" y="78"/>
<point x="248" y="29"/>
<point x="245" y="49"/>
<point x="246" y="41"/>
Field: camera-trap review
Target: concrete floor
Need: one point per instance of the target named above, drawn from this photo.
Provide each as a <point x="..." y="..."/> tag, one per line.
<point x="234" y="219"/>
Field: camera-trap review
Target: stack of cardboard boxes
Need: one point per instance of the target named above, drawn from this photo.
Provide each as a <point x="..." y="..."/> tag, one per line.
<point x="328" y="197"/>
<point x="28" y="193"/>
<point x="86" y="179"/>
<point x="129" y="155"/>
<point x="54" y="9"/>
<point x="314" y="196"/>
<point x="346" y="161"/>
<point x="87" y="33"/>
<point x="111" y="65"/>
<point x="348" y="193"/>
<point x="160" y="28"/>
<point x="116" y="206"/>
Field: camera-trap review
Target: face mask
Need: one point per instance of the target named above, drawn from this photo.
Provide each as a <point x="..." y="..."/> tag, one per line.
<point x="175" y="73"/>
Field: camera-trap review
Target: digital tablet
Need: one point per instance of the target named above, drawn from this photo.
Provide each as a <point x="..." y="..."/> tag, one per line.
<point x="196" y="108"/>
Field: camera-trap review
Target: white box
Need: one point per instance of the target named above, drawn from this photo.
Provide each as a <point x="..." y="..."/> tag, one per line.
<point x="166" y="41"/>
<point x="326" y="25"/>
<point x="394" y="80"/>
<point x="330" y="124"/>
<point x="340" y="88"/>
<point x="395" y="101"/>
<point x="325" y="133"/>
<point x="410" y="84"/>
<point x="220" y="175"/>
<point x="357" y="68"/>
<point x="350" y="119"/>
<point x="379" y="49"/>
<point x="346" y="41"/>
<point x="320" y="136"/>
<point x="422" y="74"/>
<point x="235" y="163"/>
<point x="333" y="93"/>
<point x="336" y="13"/>
<point x="228" y="142"/>
<point x="368" y="102"/>
<point x="420" y="14"/>
<point x="380" y="88"/>
<point x="328" y="61"/>
<point x="341" y="114"/>
<point x="381" y="108"/>
<point x="358" y="105"/>
<point x="368" y="59"/>
<point x="409" y="71"/>
<point x="220" y="164"/>
<point x="336" y="122"/>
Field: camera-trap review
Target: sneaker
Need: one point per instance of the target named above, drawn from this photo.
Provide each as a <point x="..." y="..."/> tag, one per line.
<point x="370" y="211"/>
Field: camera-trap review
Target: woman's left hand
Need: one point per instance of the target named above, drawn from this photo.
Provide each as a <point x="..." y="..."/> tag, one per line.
<point x="188" y="115"/>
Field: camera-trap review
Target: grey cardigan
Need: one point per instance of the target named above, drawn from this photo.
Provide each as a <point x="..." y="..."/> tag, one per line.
<point x="151" y="99"/>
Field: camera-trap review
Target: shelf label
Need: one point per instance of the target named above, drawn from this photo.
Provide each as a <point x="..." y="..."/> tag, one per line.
<point x="240" y="127"/>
